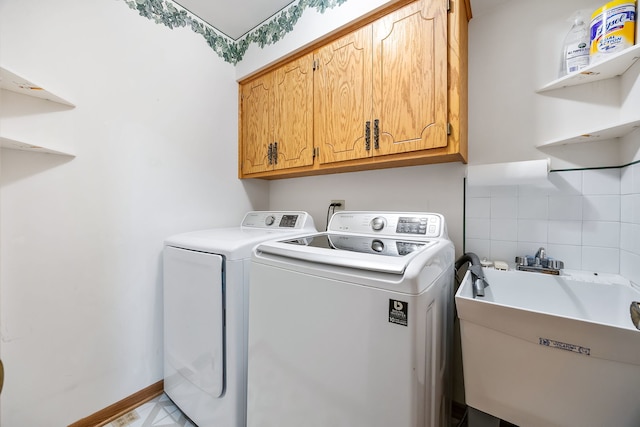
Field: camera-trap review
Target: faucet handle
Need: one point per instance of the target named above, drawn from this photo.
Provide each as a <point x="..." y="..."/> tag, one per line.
<point x="542" y="253"/>
<point x="555" y="264"/>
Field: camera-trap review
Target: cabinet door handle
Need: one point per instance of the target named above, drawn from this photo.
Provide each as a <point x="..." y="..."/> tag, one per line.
<point x="270" y="154"/>
<point x="376" y="134"/>
<point x="275" y="153"/>
<point x="367" y="136"/>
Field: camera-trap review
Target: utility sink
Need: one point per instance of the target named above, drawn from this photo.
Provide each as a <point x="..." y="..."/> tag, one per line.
<point x="543" y="350"/>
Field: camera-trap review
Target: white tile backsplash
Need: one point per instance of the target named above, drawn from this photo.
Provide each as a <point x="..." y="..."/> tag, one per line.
<point x="504" y="207"/>
<point x="635" y="236"/>
<point x="601" y="181"/>
<point x="590" y="219"/>
<point x="504" y="191"/>
<point x="480" y="247"/>
<point x="635" y="202"/>
<point x="603" y="260"/>
<point x="626" y="181"/>
<point x="565" y="208"/>
<point x="538" y="190"/>
<point x="636" y="177"/>
<point x="503" y="251"/>
<point x="504" y="229"/>
<point x="571" y="255"/>
<point x="565" y="233"/>
<point x="531" y="230"/>
<point x="626" y="208"/>
<point x="478" y="207"/>
<point x="533" y="207"/>
<point x="601" y="208"/>
<point x="477" y="191"/>
<point x="630" y="237"/>
<point x="530" y="248"/>
<point x="630" y="266"/>
<point x="601" y="234"/>
<point x="567" y="182"/>
<point x="477" y="228"/>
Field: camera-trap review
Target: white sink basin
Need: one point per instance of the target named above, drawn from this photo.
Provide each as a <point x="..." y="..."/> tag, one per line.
<point x="542" y="350"/>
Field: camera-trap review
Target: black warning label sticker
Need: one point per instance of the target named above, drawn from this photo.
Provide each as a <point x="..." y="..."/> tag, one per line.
<point x="398" y="312"/>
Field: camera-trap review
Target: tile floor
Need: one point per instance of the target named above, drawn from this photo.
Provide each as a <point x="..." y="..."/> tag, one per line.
<point x="159" y="412"/>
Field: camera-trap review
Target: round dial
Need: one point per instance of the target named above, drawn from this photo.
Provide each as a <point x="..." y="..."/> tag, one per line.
<point x="378" y="223"/>
<point x="377" y="245"/>
<point x="270" y="220"/>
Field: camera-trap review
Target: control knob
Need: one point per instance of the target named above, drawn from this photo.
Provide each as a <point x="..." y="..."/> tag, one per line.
<point x="378" y="223"/>
<point x="377" y="245"/>
<point x="270" y="220"/>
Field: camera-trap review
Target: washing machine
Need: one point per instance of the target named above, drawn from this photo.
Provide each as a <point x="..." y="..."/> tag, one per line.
<point x="352" y="327"/>
<point x="205" y="314"/>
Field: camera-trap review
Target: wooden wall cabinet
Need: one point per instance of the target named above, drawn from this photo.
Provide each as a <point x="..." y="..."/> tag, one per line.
<point x="389" y="91"/>
<point x="277" y="119"/>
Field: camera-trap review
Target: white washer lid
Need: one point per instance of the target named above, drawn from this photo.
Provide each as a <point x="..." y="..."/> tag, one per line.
<point x="238" y="242"/>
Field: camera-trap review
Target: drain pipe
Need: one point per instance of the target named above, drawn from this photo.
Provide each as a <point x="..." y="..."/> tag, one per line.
<point x="477" y="275"/>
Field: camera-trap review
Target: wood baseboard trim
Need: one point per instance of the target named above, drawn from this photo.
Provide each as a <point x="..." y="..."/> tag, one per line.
<point x="118" y="409"/>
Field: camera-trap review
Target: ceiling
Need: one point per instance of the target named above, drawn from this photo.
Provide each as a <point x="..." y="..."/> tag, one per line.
<point x="235" y="18"/>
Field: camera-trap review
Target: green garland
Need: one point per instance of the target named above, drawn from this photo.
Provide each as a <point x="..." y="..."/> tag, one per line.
<point x="165" y="12"/>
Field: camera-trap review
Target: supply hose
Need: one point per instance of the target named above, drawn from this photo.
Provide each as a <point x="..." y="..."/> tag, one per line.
<point x="477" y="275"/>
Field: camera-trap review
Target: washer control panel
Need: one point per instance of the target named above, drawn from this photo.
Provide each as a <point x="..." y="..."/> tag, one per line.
<point x="281" y="220"/>
<point x="417" y="224"/>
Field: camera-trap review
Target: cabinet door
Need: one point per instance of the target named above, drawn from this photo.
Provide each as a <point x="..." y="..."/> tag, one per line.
<point x="256" y="127"/>
<point x="293" y="113"/>
<point x="342" y="97"/>
<point x="410" y="78"/>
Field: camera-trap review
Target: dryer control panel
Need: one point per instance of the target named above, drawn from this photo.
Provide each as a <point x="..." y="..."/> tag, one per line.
<point x="416" y="224"/>
<point x="294" y="220"/>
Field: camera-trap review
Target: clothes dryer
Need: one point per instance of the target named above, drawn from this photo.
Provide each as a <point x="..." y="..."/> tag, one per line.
<point x="205" y="314"/>
<point x="352" y="327"/>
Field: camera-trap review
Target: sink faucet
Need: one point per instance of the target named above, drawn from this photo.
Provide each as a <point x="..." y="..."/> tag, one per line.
<point x="540" y="263"/>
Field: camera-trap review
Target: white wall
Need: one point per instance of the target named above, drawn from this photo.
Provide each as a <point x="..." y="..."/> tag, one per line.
<point x="436" y="188"/>
<point x="514" y="49"/>
<point x="155" y="138"/>
<point x="311" y="26"/>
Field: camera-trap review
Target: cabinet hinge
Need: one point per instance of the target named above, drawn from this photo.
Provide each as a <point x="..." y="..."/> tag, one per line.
<point x="315" y="64"/>
<point x="448" y="5"/>
<point x="448" y="128"/>
<point x="316" y="152"/>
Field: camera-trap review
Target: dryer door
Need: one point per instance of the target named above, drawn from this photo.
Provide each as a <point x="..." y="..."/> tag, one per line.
<point x="193" y="320"/>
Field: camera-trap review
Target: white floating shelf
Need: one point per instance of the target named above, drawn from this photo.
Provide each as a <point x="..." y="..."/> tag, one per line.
<point x="15" y="83"/>
<point x="616" y="65"/>
<point x="19" y="145"/>
<point x="610" y="132"/>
